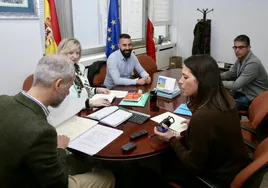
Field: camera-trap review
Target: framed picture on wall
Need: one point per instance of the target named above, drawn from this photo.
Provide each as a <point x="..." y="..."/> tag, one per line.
<point x="19" y="9"/>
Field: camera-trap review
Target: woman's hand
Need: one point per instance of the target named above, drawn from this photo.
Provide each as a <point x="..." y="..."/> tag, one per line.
<point x="100" y="102"/>
<point x="164" y="136"/>
<point x="187" y="121"/>
<point x="102" y="90"/>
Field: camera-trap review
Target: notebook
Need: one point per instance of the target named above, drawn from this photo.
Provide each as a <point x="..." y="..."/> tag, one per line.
<point x="112" y="116"/>
<point x="183" y="110"/>
<point x="133" y="96"/>
<point x="140" y="103"/>
<point x="176" y="126"/>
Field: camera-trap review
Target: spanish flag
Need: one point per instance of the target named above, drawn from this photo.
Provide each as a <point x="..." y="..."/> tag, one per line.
<point x="52" y="30"/>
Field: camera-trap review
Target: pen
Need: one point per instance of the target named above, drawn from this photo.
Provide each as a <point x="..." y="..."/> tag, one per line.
<point x="151" y="135"/>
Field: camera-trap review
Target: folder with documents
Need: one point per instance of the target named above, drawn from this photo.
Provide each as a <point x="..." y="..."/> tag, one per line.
<point x="140" y="103"/>
<point x="183" y="110"/>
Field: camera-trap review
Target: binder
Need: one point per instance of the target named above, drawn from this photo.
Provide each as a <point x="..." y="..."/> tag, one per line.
<point x="183" y="110"/>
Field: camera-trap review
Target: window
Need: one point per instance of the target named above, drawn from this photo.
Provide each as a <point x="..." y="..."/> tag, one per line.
<point x="90" y="22"/>
<point x="86" y="20"/>
<point x="133" y="18"/>
<point x="161" y="17"/>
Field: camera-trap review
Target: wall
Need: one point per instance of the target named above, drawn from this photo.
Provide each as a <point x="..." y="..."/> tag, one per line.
<point x="229" y="19"/>
<point x="20" y="51"/>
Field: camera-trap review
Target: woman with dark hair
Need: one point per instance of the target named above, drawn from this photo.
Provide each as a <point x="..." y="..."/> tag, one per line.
<point x="213" y="146"/>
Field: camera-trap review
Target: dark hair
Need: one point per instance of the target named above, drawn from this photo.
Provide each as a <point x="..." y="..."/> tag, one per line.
<point x="243" y="38"/>
<point x="124" y="36"/>
<point x="211" y="91"/>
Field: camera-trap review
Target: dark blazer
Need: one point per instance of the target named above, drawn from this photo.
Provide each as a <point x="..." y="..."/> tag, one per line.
<point x="28" y="146"/>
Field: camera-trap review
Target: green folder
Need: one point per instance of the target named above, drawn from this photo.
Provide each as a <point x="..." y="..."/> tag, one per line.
<point x="140" y="103"/>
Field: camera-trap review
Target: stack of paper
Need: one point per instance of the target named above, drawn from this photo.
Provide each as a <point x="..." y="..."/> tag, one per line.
<point x="183" y="110"/>
<point x="140" y="103"/>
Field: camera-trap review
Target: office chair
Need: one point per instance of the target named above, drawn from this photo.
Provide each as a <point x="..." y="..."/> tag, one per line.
<point x="257" y="112"/>
<point x="250" y="176"/>
<point x="96" y="73"/>
<point x="147" y="63"/>
<point x="27" y="84"/>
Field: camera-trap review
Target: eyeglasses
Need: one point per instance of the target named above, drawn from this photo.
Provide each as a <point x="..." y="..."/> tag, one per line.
<point x="239" y="47"/>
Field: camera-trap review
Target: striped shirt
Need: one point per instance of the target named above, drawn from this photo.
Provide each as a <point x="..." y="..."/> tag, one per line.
<point x="45" y="109"/>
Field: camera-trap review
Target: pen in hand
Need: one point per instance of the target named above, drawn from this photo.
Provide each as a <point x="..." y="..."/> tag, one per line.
<point x="151" y="135"/>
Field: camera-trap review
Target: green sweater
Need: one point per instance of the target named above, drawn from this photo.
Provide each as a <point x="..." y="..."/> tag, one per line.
<point x="28" y="146"/>
<point x="214" y="145"/>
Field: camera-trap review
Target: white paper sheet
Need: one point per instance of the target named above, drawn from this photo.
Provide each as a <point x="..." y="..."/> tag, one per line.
<point x="110" y="97"/>
<point x="118" y="93"/>
<point x="176" y="126"/>
<point x="95" y="139"/>
<point x="75" y="126"/>
<point x="67" y="109"/>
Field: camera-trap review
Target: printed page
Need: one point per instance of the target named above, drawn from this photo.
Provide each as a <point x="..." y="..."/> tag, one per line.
<point x="67" y="109"/>
<point x="75" y="126"/>
<point x="176" y="126"/>
<point x="118" y="93"/>
<point x="95" y="139"/>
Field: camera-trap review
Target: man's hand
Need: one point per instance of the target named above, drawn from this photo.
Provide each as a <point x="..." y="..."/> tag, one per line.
<point x="102" y="90"/>
<point x="63" y="141"/>
<point x="148" y="80"/>
<point x="141" y="81"/>
<point x="100" y="102"/>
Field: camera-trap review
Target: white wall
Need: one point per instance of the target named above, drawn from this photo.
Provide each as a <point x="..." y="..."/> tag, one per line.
<point x="229" y="19"/>
<point x="20" y="51"/>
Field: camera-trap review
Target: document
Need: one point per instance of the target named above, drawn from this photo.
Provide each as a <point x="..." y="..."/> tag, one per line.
<point x="176" y="126"/>
<point x="95" y="139"/>
<point x="110" y="97"/>
<point x="75" y="126"/>
<point x="67" y="109"/>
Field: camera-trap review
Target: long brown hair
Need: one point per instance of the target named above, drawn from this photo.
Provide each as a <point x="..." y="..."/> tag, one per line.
<point x="211" y="91"/>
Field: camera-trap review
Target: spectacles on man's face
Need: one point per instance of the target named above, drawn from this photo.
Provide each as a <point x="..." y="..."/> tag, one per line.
<point x="239" y="47"/>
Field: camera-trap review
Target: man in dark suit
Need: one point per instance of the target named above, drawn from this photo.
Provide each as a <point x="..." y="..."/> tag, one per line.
<point x="32" y="155"/>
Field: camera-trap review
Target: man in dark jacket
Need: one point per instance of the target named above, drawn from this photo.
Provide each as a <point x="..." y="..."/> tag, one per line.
<point x="32" y="155"/>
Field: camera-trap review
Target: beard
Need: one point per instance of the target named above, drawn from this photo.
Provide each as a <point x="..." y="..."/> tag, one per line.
<point x="126" y="53"/>
<point x="56" y="103"/>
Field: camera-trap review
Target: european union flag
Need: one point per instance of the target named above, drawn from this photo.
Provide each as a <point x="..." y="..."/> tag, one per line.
<point x="113" y="28"/>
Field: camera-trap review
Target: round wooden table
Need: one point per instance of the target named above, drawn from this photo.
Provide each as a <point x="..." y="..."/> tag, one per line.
<point x="146" y="147"/>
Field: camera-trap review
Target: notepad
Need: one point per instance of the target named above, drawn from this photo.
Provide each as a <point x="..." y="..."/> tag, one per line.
<point x="183" y="110"/>
<point x="140" y="103"/>
<point x="112" y="116"/>
<point x="176" y="126"/>
<point x="110" y="97"/>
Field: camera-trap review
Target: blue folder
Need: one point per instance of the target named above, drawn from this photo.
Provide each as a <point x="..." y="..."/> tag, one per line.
<point x="183" y="110"/>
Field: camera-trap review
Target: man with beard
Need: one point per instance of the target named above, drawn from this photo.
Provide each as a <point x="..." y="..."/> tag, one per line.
<point x="121" y="63"/>
<point x="247" y="78"/>
<point x="32" y="155"/>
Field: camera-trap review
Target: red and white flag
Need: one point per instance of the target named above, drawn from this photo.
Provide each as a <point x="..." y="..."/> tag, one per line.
<point x="150" y="47"/>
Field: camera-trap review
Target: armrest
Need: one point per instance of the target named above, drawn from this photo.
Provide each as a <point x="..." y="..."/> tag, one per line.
<point x="248" y="129"/>
<point x="250" y="144"/>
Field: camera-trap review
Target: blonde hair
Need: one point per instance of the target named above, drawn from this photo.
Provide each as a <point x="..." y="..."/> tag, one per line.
<point x="69" y="45"/>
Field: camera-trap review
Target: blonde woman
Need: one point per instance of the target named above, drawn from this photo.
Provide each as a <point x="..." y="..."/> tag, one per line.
<point x="71" y="47"/>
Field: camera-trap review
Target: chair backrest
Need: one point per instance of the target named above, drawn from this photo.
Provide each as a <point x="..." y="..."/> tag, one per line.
<point x="258" y="109"/>
<point x="96" y="73"/>
<point x="28" y="82"/>
<point x="147" y="63"/>
<point x="260" y="158"/>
